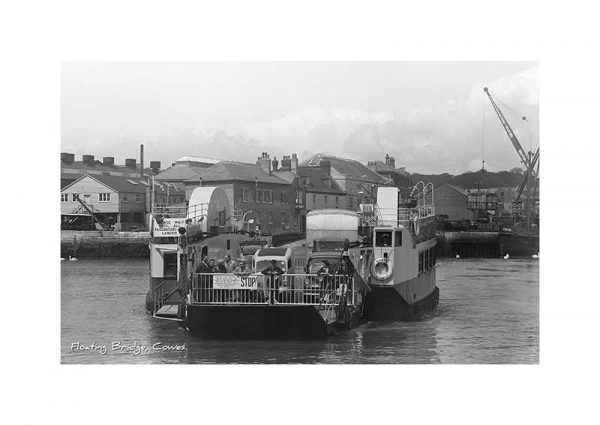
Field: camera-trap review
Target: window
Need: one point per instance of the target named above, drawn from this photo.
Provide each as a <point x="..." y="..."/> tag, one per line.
<point x="170" y="264"/>
<point x="244" y="194"/>
<point x="337" y="201"/>
<point x="314" y="200"/>
<point x="434" y="256"/>
<point x="260" y="196"/>
<point x="283" y="200"/>
<point x="420" y="262"/>
<point x="104" y="197"/>
<point x="271" y="196"/>
<point x="75" y="197"/>
<point x="270" y="217"/>
<point x="125" y="197"/>
<point x="426" y="261"/>
<point x="383" y="238"/>
<point x="222" y="218"/>
<point x="138" y="197"/>
<point x="283" y="217"/>
<point x="64" y="197"/>
<point x="325" y="199"/>
<point x="258" y="216"/>
<point x="398" y="241"/>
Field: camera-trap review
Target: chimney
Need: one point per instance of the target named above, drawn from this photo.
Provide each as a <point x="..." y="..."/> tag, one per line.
<point x="275" y="163"/>
<point x="387" y="159"/>
<point x="294" y="163"/>
<point x="325" y="166"/>
<point x="130" y="162"/>
<point x="141" y="161"/>
<point x="286" y="163"/>
<point x="67" y="158"/>
<point x="109" y="160"/>
<point x="88" y="159"/>
<point x="155" y="165"/>
<point x="392" y="163"/>
<point x="264" y="162"/>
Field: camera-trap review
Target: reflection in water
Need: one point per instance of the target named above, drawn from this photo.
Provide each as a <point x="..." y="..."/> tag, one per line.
<point x="488" y="313"/>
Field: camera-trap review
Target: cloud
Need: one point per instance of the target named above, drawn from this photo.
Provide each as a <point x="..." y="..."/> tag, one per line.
<point x="447" y="136"/>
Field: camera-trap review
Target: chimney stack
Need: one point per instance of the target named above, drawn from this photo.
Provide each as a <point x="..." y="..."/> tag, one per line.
<point x="141" y="161"/>
<point x="392" y="163"/>
<point x="109" y="160"/>
<point x="130" y="162"/>
<point x="275" y="163"/>
<point x="294" y="163"/>
<point x="67" y="158"/>
<point x="325" y="166"/>
<point x="88" y="159"/>
<point x="264" y="162"/>
<point x="286" y="163"/>
<point x="155" y="165"/>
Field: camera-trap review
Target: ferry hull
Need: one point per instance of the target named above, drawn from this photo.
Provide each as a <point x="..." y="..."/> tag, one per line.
<point x="386" y="303"/>
<point x="257" y="322"/>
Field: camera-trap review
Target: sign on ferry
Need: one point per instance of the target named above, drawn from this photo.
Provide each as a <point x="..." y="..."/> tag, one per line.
<point x="169" y="227"/>
<point x="232" y="281"/>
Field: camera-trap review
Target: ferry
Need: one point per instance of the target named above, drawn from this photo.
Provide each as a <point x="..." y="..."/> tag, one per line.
<point x="385" y="269"/>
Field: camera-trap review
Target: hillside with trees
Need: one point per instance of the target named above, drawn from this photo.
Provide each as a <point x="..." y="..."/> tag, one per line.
<point x="471" y="180"/>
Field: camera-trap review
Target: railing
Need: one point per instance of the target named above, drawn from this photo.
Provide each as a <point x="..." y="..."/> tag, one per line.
<point x="158" y="296"/>
<point x="402" y="216"/>
<point x="172" y="211"/>
<point x="286" y="289"/>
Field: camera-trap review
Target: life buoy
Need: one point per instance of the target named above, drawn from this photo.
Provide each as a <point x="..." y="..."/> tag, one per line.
<point x="416" y="226"/>
<point x="382" y="269"/>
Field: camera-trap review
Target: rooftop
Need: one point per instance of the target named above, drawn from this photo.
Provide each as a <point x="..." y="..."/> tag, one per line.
<point x="237" y="171"/>
<point x="349" y="168"/>
<point x="317" y="179"/>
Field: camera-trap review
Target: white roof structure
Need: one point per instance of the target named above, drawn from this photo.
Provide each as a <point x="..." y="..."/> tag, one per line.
<point x="191" y="158"/>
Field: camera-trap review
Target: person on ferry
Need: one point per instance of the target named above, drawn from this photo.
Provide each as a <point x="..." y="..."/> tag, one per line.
<point x="221" y="266"/>
<point x="272" y="272"/>
<point x="230" y="265"/>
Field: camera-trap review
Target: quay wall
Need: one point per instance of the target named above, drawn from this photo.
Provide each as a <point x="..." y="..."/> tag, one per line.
<point x="104" y="244"/>
<point x="468" y="244"/>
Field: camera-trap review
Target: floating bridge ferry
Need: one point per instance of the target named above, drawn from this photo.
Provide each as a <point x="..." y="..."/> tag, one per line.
<point x="386" y="273"/>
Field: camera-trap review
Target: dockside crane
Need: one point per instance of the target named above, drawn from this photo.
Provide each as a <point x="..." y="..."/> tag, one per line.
<point x="529" y="160"/>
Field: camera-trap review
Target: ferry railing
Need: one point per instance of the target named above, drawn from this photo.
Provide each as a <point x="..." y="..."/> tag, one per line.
<point x="158" y="296"/>
<point x="285" y="289"/>
<point x="402" y="216"/>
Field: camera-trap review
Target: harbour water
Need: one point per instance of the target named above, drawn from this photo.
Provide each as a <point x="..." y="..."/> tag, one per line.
<point x="488" y="313"/>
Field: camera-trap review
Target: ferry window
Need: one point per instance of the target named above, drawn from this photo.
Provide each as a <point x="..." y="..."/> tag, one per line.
<point x="222" y="218"/>
<point x="383" y="238"/>
<point x="170" y="264"/>
<point x="64" y="197"/>
<point x="426" y="261"/>
<point x="398" y="241"/>
<point x="420" y="262"/>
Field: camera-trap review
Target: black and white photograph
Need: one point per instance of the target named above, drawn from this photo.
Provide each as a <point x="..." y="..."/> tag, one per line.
<point x="285" y="212"/>
<point x="300" y="212"/>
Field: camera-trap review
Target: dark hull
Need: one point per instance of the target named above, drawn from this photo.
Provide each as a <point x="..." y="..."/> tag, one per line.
<point x="519" y="245"/>
<point x="387" y="304"/>
<point x="258" y="322"/>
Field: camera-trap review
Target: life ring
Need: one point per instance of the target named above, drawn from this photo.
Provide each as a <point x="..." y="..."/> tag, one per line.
<point x="416" y="225"/>
<point x="382" y="269"/>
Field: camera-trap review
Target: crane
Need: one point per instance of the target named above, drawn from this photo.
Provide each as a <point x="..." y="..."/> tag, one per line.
<point x="529" y="160"/>
<point x="525" y="159"/>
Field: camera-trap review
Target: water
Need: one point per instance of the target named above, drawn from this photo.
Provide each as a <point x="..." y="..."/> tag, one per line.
<point x="488" y="313"/>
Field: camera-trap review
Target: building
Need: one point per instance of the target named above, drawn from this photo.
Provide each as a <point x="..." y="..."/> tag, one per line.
<point x="356" y="180"/>
<point x="451" y="201"/>
<point x="186" y="169"/>
<point x="71" y="170"/>
<point x="261" y="201"/>
<point x="321" y="190"/>
<point x="114" y="200"/>
<point x="398" y="176"/>
<point x="503" y="198"/>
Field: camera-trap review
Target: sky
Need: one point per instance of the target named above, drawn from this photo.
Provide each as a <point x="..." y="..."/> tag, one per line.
<point x="433" y="117"/>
